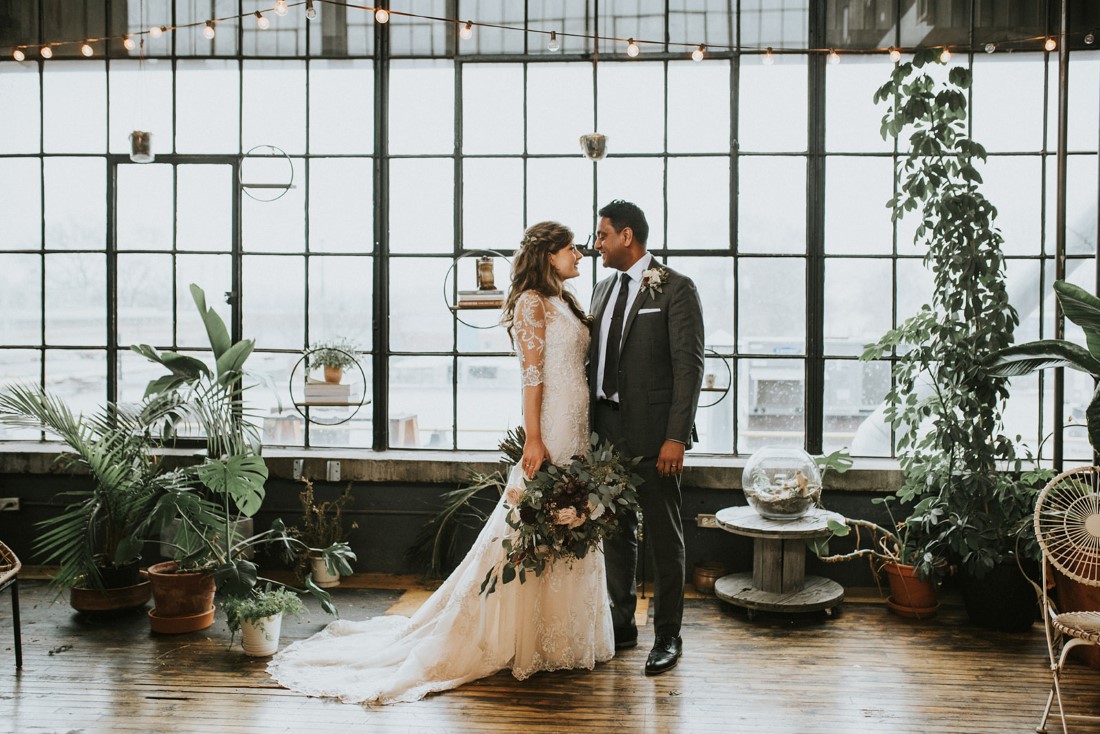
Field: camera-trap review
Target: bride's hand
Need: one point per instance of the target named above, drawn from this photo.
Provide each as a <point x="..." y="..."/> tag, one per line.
<point x="534" y="453"/>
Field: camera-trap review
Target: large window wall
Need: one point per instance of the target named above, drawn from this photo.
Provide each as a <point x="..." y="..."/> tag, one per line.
<point x="764" y="178"/>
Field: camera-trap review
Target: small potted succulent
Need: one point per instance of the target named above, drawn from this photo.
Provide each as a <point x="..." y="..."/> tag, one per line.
<point x="334" y="356"/>
<point x="258" y="616"/>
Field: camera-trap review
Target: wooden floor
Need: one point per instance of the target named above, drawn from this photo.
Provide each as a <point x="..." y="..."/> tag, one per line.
<point x="866" y="671"/>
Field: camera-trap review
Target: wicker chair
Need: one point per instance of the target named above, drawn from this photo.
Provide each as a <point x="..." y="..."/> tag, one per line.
<point x="9" y="577"/>
<point x="1067" y="525"/>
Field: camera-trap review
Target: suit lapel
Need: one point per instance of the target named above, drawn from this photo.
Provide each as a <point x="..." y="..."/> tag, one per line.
<point x="600" y="299"/>
<point x="639" y="299"/>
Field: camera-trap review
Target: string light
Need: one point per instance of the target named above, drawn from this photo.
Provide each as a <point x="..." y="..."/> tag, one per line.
<point x="208" y="31"/>
<point x="86" y="49"/>
<point x="261" y="22"/>
<point x="18" y="55"/>
<point x="553" y="44"/>
<point x="990" y="47"/>
<point x="946" y="55"/>
<point x="311" y="12"/>
<point x="280" y="8"/>
<point x="47" y="52"/>
<point x="769" y="57"/>
<point x="467" y="31"/>
<point x="834" y="57"/>
<point x="697" y="54"/>
<point x="1050" y="44"/>
<point x="129" y="44"/>
<point x="895" y="55"/>
<point x="157" y="31"/>
<point x="632" y="49"/>
<point x="382" y="16"/>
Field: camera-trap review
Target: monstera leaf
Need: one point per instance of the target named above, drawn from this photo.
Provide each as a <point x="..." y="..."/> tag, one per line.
<point x="241" y="477"/>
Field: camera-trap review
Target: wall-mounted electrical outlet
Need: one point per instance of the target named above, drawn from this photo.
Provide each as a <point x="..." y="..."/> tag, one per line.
<point x="332" y="471"/>
<point x="9" y="504"/>
<point x="706" y="521"/>
<point x="299" y="464"/>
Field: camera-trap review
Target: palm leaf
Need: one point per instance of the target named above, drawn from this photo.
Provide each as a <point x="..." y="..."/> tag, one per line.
<point x="1023" y="359"/>
<point x="1083" y="309"/>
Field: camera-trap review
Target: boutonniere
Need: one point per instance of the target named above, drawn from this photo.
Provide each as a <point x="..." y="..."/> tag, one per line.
<point x="653" y="279"/>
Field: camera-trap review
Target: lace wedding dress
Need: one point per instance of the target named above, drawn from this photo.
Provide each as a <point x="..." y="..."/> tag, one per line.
<point x="557" y="621"/>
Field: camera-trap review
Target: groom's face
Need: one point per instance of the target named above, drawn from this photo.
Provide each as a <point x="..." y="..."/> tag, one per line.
<point x="613" y="246"/>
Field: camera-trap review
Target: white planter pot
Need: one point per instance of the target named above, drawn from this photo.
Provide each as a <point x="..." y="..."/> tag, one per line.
<point x="321" y="576"/>
<point x="261" y="638"/>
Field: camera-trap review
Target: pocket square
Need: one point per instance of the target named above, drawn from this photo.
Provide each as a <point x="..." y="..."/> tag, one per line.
<point x="648" y="310"/>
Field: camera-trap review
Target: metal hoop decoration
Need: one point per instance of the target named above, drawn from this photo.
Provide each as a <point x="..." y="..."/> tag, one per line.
<point x="729" y="382"/>
<point x="275" y="152"/>
<point x="299" y="405"/>
<point x="448" y="292"/>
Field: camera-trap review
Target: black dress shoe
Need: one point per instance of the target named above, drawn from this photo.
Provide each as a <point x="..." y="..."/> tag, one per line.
<point x="626" y="637"/>
<point x="664" y="655"/>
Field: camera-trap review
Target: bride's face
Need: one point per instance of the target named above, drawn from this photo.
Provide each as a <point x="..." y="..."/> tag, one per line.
<point x="564" y="262"/>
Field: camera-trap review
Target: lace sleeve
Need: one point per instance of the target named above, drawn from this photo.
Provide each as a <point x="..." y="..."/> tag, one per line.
<point x="529" y="326"/>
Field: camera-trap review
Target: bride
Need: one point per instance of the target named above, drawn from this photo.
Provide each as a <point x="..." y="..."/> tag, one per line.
<point x="559" y="620"/>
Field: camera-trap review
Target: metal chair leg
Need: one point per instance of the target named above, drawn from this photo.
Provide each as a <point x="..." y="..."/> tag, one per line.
<point x="15" y="623"/>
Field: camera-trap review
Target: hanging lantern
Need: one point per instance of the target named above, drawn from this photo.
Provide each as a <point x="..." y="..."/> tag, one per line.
<point x="141" y="146"/>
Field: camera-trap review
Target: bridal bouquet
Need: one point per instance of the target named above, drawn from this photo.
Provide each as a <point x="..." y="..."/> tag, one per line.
<point x="564" y="512"/>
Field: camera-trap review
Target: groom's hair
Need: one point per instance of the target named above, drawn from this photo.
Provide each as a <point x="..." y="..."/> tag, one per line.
<point x="625" y="214"/>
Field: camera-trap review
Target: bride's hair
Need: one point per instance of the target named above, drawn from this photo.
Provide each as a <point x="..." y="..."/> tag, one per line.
<point x="532" y="270"/>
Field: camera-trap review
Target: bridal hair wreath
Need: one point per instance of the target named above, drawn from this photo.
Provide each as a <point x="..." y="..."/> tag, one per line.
<point x="565" y="512"/>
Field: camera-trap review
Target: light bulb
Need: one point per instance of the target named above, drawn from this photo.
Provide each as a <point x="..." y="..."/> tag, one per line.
<point x="86" y="50"/>
<point x="946" y="55"/>
<point x="381" y="16"/>
<point x="129" y="44"/>
<point x="1050" y="44"/>
<point x="895" y="55"/>
<point x="1090" y="38"/>
<point x="208" y="31"/>
<point x="467" y="31"/>
<point x="156" y="31"/>
<point x="834" y="57"/>
<point x="990" y="48"/>
<point x="697" y="54"/>
<point x="311" y="12"/>
<point x="553" y="44"/>
<point x="47" y="52"/>
<point x="261" y="22"/>
<point x="280" y="7"/>
<point x="18" y="55"/>
<point x="632" y="49"/>
<point x="769" y="58"/>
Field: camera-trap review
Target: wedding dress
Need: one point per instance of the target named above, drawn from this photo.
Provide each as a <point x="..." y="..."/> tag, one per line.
<point x="557" y="621"/>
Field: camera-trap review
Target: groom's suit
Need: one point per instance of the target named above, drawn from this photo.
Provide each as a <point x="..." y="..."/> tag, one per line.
<point x="660" y="372"/>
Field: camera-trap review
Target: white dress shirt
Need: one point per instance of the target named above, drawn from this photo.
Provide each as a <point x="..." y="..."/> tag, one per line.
<point x="633" y="287"/>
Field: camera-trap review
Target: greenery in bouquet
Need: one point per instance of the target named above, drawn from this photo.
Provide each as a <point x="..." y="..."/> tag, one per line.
<point x="564" y="512"/>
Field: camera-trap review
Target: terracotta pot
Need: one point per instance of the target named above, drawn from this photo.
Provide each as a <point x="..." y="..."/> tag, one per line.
<point x="181" y="594"/>
<point x="180" y="625"/>
<point x="334" y="374"/>
<point x="321" y="576"/>
<point x="261" y="638"/>
<point x="109" y="600"/>
<point x="910" y="596"/>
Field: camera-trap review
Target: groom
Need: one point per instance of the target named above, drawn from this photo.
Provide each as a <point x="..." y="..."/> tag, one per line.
<point x="645" y="368"/>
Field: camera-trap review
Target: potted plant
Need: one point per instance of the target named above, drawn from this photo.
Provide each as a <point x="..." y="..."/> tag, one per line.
<point x="258" y="616"/>
<point x="945" y="404"/>
<point x="322" y="525"/>
<point x="334" y="356"/>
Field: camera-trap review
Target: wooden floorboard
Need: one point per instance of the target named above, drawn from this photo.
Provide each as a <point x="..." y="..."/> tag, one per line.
<point x="865" y="671"/>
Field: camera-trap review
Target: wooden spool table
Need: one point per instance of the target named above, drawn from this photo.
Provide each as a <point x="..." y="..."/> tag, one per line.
<point x="778" y="582"/>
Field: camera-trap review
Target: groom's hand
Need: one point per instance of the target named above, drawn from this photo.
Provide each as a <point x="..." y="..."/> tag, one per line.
<point x="671" y="459"/>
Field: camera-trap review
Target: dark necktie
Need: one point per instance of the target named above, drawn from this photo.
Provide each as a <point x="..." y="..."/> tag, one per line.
<point x="614" y="337"/>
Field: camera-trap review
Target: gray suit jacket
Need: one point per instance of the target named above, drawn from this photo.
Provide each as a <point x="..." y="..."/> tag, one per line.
<point x="660" y="363"/>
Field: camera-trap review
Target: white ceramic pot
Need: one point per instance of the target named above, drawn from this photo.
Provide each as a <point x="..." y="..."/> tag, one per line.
<point x="261" y="638"/>
<point x="321" y="576"/>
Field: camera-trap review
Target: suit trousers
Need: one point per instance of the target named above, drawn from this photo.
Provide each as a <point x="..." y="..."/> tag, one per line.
<point x="664" y="537"/>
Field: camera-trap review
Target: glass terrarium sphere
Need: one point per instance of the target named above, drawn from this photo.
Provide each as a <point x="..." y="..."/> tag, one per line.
<point x="781" y="482"/>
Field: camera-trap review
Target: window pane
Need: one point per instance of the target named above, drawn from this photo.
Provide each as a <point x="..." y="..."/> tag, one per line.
<point x="857" y="219"/>
<point x="1084" y="101"/>
<point x="1082" y="175"/>
<point x="492" y="108"/>
<point x="19" y="366"/>
<point x="852" y="119"/>
<point x="272" y="304"/>
<point x="135" y="372"/>
<point x="641" y="180"/>
<point x="495" y="40"/>
<point x="20" y="299"/>
<point x="698" y="106"/>
<point x="1025" y="285"/>
<point x="421" y="402"/>
<point x="559" y="107"/>
<point x="212" y="273"/>
<point x="144" y="213"/>
<point x="1013" y="185"/>
<point x="489" y="401"/>
<point x="421" y="321"/>
<point x="76" y="203"/>
<point x="207" y="106"/>
<point x="1009" y="87"/>
<point x="341" y="210"/>
<point x="854" y="391"/>
<point x="275" y="105"/>
<point x="417" y="36"/>
<point x="770" y="403"/>
<point x="713" y="277"/>
<point x="914" y="286"/>
<point x="644" y="85"/>
<point x="273" y="221"/>
<point x="759" y="107"/>
<point x="492" y="203"/>
<point x="341" y="32"/>
<point x="699" y="203"/>
<point x="710" y="22"/>
<point x="76" y="303"/>
<point x="141" y="99"/>
<point x="340" y="291"/>
<point x="191" y="42"/>
<point x="269" y="398"/>
<point x="560" y="189"/>
<point x="20" y="203"/>
<point x="771" y="305"/>
<point x="204" y="214"/>
<point x="768" y="219"/>
<point x="19" y="90"/>
<point x="565" y="16"/>
<point x="634" y="19"/>
<point x="285" y="36"/>
<point x="144" y="299"/>
<point x="857" y="303"/>
<point x="422" y="107"/>
<point x="774" y="23"/>
<point x="422" y="205"/>
<point x="341" y="106"/>
<point x="714" y="418"/>
<point x="78" y="377"/>
<point x="74" y="90"/>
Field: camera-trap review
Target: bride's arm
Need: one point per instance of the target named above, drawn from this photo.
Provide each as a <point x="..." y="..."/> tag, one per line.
<point x="529" y="326"/>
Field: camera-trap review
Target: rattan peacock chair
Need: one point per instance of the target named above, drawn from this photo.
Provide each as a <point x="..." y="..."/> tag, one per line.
<point x="9" y="578"/>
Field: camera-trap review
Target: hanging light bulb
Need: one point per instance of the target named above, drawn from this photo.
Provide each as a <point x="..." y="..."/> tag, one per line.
<point x="632" y="49"/>
<point x="46" y="52"/>
<point x="1090" y="38"/>
<point x="895" y="55"/>
<point x="280" y="8"/>
<point x="834" y="57"/>
<point x="1050" y="44"/>
<point x="697" y="54"/>
<point x="129" y="44"/>
<point x="946" y="55"/>
<point x="769" y="57"/>
<point x="261" y="22"/>
<point x="18" y="55"/>
<point x="990" y="47"/>
<point x="467" y="31"/>
<point x="311" y="12"/>
<point x="156" y="31"/>
<point x="381" y="15"/>
<point x="553" y="45"/>
<point x="86" y="49"/>
<point x="208" y="31"/>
